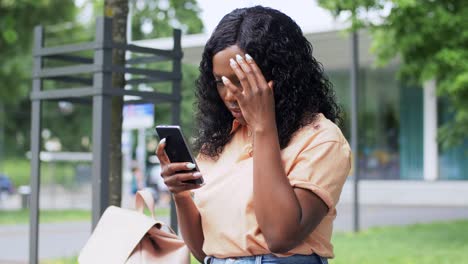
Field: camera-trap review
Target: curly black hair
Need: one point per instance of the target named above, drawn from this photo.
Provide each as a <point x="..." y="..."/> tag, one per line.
<point x="284" y="55"/>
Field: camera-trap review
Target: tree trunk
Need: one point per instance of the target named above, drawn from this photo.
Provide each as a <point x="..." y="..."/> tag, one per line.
<point x="118" y="10"/>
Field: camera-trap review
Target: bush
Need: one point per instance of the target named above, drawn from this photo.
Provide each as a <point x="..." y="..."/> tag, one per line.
<point x="19" y="171"/>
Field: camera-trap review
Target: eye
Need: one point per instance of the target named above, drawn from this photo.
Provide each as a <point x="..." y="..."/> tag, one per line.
<point x="219" y="83"/>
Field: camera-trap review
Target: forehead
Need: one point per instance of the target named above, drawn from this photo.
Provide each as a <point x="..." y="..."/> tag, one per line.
<point x="221" y="60"/>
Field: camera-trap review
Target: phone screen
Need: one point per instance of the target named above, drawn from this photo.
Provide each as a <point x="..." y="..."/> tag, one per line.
<point x="177" y="148"/>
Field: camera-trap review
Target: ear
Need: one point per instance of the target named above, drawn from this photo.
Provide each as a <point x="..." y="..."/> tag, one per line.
<point x="270" y="84"/>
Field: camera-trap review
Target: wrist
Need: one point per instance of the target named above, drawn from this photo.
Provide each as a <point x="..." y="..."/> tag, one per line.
<point x="261" y="129"/>
<point x="182" y="196"/>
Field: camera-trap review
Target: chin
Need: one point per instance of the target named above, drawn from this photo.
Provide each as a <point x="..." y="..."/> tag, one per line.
<point x="241" y="120"/>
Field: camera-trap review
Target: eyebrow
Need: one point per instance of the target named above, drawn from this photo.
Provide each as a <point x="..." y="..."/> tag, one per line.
<point x="217" y="75"/>
<point x="230" y="77"/>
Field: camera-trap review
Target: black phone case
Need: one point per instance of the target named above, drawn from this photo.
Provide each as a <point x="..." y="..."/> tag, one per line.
<point x="176" y="147"/>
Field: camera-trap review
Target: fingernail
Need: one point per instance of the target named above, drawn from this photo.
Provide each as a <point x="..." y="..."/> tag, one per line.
<point x="239" y="58"/>
<point x="225" y="80"/>
<point x="190" y="166"/>
<point x="197" y="174"/>
<point x="232" y="62"/>
<point x="162" y="141"/>
<point x="248" y="58"/>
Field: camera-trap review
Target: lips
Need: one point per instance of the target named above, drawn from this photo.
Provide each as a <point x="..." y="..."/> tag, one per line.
<point x="236" y="112"/>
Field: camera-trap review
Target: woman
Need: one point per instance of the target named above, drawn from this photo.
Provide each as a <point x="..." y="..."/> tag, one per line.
<point x="273" y="161"/>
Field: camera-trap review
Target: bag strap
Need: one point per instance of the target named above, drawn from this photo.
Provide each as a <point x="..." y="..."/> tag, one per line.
<point x="144" y="198"/>
<point x="160" y="224"/>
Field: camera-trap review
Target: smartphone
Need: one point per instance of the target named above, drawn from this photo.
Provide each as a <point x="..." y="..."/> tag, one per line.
<point x="177" y="148"/>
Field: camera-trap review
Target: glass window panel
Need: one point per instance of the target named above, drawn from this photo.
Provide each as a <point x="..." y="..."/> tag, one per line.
<point x="378" y="120"/>
<point x="452" y="162"/>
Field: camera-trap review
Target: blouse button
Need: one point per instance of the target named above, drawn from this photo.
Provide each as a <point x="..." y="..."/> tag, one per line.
<point x="248" y="149"/>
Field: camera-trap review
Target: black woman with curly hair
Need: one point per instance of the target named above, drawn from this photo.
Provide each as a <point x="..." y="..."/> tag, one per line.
<point x="273" y="160"/>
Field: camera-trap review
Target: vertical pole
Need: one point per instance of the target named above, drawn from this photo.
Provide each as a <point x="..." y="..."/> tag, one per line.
<point x="35" y="149"/>
<point x="129" y="22"/>
<point x="101" y="118"/>
<point x="141" y="150"/>
<point x="176" y="93"/>
<point x="354" y="124"/>
<point x="430" y="147"/>
<point x="2" y="135"/>
<point x="177" y="83"/>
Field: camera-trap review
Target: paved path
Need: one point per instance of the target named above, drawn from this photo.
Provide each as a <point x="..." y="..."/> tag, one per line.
<point x="66" y="239"/>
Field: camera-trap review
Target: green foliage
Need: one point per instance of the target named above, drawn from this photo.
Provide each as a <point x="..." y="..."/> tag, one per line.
<point x="17" y="22"/>
<point x="19" y="170"/>
<point x="156" y="19"/>
<point x="430" y="38"/>
<point x="435" y="243"/>
<point x="71" y="260"/>
<point x="163" y="111"/>
<point x="14" y="217"/>
<point x="189" y="73"/>
<point x="69" y="127"/>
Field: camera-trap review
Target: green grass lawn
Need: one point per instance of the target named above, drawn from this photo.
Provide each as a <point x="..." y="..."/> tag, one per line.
<point x="53" y="216"/>
<point x="19" y="171"/>
<point x="45" y="216"/>
<point x="72" y="260"/>
<point x="436" y="243"/>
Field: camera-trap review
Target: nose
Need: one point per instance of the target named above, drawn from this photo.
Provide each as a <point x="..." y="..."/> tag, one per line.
<point x="229" y="96"/>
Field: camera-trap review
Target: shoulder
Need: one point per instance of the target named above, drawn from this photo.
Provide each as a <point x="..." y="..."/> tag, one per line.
<point x="321" y="130"/>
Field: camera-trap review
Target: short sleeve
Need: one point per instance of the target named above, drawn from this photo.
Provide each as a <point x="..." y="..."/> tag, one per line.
<point x="322" y="169"/>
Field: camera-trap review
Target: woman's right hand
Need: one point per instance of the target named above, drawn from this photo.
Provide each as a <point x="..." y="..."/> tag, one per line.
<point x="174" y="174"/>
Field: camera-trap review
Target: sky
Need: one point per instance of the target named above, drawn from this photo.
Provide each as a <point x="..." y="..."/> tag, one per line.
<point x="307" y="14"/>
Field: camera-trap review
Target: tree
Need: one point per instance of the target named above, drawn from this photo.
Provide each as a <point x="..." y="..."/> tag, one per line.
<point x="17" y="21"/>
<point x="156" y="19"/>
<point x="177" y="13"/>
<point x="118" y="11"/>
<point x="431" y="39"/>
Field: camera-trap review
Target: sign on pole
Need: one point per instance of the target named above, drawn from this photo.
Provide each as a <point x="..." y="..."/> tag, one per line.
<point x="138" y="116"/>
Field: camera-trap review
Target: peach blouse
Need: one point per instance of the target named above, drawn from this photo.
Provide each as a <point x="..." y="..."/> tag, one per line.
<point x="318" y="158"/>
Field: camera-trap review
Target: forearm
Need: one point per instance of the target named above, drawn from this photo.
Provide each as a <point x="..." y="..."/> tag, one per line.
<point x="189" y="220"/>
<point x="277" y="208"/>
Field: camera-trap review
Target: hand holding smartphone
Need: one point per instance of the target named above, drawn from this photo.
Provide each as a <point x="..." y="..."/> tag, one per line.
<point x="177" y="149"/>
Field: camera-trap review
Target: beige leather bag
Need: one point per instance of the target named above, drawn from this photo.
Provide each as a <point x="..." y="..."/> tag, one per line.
<point x="131" y="237"/>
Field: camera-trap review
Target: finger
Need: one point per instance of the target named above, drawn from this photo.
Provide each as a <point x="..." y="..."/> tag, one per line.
<point x="185" y="187"/>
<point x="260" y="78"/>
<point x="249" y="73"/>
<point x="161" y="153"/>
<point x="232" y="88"/>
<point x="178" y="179"/>
<point x="173" y="168"/>
<point x="270" y="84"/>
<point x="241" y="76"/>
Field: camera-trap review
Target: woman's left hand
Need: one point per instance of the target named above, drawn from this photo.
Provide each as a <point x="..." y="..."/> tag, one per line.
<point x="255" y="96"/>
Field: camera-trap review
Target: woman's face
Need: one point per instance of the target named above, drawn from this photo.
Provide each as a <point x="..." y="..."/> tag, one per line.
<point x="221" y="68"/>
